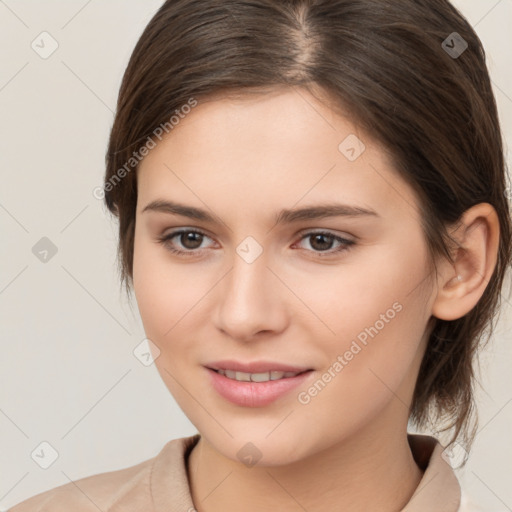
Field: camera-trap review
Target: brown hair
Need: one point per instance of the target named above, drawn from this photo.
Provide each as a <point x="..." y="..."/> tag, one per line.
<point x="388" y="65"/>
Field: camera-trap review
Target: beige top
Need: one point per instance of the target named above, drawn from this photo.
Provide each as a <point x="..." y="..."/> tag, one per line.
<point x="160" y="484"/>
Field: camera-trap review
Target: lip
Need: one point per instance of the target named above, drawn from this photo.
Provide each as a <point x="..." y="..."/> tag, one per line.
<point x="254" y="366"/>
<point x="255" y="394"/>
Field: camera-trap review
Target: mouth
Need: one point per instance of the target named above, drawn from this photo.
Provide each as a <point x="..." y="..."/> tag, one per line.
<point x="257" y="377"/>
<point x="267" y="370"/>
<point x="256" y="389"/>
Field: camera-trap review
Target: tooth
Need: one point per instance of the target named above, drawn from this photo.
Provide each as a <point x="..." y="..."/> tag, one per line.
<point x="256" y="377"/>
<point x="260" y="377"/>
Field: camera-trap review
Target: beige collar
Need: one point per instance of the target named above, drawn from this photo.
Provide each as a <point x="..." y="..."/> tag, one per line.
<point x="438" y="490"/>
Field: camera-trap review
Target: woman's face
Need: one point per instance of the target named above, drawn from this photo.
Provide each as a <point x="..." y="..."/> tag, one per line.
<point x="354" y="309"/>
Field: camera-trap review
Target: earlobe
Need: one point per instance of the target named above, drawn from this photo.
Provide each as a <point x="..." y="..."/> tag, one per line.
<point x="462" y="284"/>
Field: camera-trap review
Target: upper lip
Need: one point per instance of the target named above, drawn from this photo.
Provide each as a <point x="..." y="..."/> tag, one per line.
<point x="255" y="366"/>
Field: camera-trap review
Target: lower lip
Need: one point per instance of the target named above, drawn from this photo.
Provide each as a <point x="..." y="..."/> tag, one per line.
<point x="255" y="394"/>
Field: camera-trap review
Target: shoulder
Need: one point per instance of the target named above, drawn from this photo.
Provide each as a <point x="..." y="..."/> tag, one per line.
<point x="160" y="482"/>
<point x="92" y="493"/>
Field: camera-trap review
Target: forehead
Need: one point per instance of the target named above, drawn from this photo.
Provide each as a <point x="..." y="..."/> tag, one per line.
<point x="278" y="148"/>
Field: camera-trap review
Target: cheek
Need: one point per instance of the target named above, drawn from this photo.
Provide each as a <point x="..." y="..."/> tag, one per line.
<point x="362" y="378"/>
<point x="377" y="316"/>
<point x="167" y="294"/>
<point x="352" y="297"/>
<point x="163" y="304"/>
<point x="154" y="289"/>
<point x="166" y="297"/>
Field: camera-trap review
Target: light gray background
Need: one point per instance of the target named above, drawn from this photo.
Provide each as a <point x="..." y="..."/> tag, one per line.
<point x="68" y="373"/>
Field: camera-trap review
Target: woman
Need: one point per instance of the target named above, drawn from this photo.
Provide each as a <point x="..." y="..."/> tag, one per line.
<point x="313" y="218"/>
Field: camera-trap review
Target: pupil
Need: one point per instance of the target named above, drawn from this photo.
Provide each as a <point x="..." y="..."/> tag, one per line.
<point x="191" y="237"/>
<point x="320" y="236"/>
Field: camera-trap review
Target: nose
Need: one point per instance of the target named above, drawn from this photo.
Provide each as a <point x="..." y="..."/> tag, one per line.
<point x="251" y="300"/>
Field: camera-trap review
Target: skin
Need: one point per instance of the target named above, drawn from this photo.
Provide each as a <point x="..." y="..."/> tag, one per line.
<point x="243" y="160"/>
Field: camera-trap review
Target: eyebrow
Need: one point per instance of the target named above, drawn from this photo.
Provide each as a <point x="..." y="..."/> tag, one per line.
<point x="283" y="217"/>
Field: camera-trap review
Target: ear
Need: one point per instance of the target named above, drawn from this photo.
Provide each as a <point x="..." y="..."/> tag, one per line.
<point x="461" y="285"/>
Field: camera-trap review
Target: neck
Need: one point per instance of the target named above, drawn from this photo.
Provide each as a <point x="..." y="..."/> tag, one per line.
<point x="373" y="469"/>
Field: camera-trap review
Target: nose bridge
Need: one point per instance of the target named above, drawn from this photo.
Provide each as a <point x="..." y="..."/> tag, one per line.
<point x="248" y="279"/>
<point x="249" y="300"/>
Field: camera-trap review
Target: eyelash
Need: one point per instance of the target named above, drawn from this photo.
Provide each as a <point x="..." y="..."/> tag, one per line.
<point x="165" y="241"/>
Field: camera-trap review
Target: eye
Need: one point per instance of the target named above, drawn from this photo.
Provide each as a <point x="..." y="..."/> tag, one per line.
<point x="322" y="241"/>
<point x="189" y="238"/>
